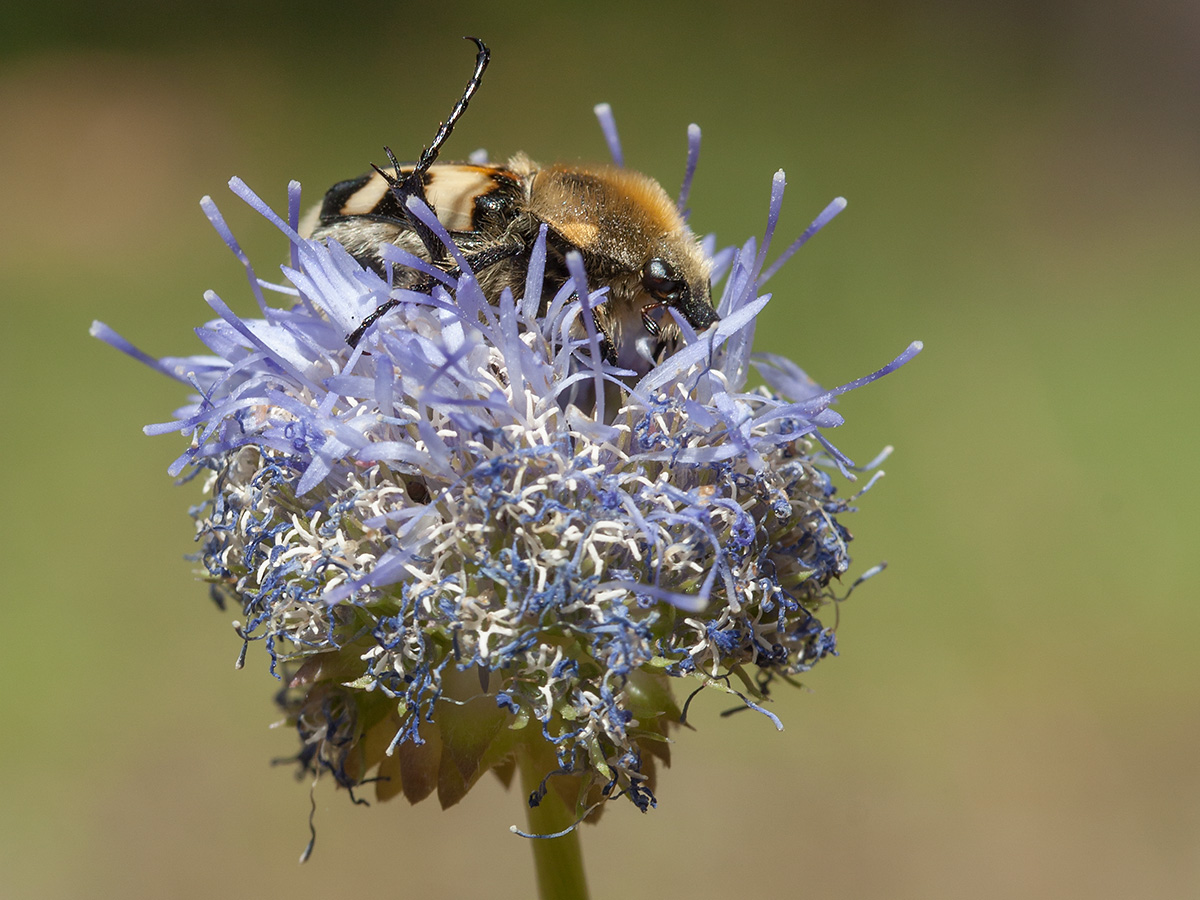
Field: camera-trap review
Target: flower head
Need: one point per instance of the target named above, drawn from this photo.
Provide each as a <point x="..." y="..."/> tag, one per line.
<point x="470" y="534"/>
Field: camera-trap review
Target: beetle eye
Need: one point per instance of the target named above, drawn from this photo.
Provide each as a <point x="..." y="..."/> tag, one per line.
<point x="660" y="281"/>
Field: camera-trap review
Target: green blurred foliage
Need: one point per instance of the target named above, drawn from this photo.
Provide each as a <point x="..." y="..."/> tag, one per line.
<point x="1015" y="708"/>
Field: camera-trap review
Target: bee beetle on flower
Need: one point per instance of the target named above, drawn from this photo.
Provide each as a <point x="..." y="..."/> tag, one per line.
<point x="631" y="236"/>
<point x="456" y="564"/>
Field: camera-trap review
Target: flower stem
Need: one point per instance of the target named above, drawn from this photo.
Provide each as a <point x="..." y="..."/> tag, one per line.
<point x="558" y="860"/>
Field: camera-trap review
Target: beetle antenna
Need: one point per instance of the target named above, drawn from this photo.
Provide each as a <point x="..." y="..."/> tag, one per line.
<point x="429" y="155"/>
<point x="412" y="184"/>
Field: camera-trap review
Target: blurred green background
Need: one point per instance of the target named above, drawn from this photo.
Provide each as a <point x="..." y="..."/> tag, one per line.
<point x="1015" y="708"/>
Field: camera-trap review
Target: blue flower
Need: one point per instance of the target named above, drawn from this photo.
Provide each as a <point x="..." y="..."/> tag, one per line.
<point x="450" y="548"/>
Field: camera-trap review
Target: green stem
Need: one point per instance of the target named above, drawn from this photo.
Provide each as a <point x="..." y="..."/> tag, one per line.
<point x="559" y="860"/>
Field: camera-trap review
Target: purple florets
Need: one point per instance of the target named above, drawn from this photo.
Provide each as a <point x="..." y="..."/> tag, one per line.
<point x="440" y="522"/>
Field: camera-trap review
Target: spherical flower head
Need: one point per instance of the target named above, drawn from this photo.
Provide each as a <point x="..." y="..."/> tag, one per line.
<point x="469" y="537"/>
